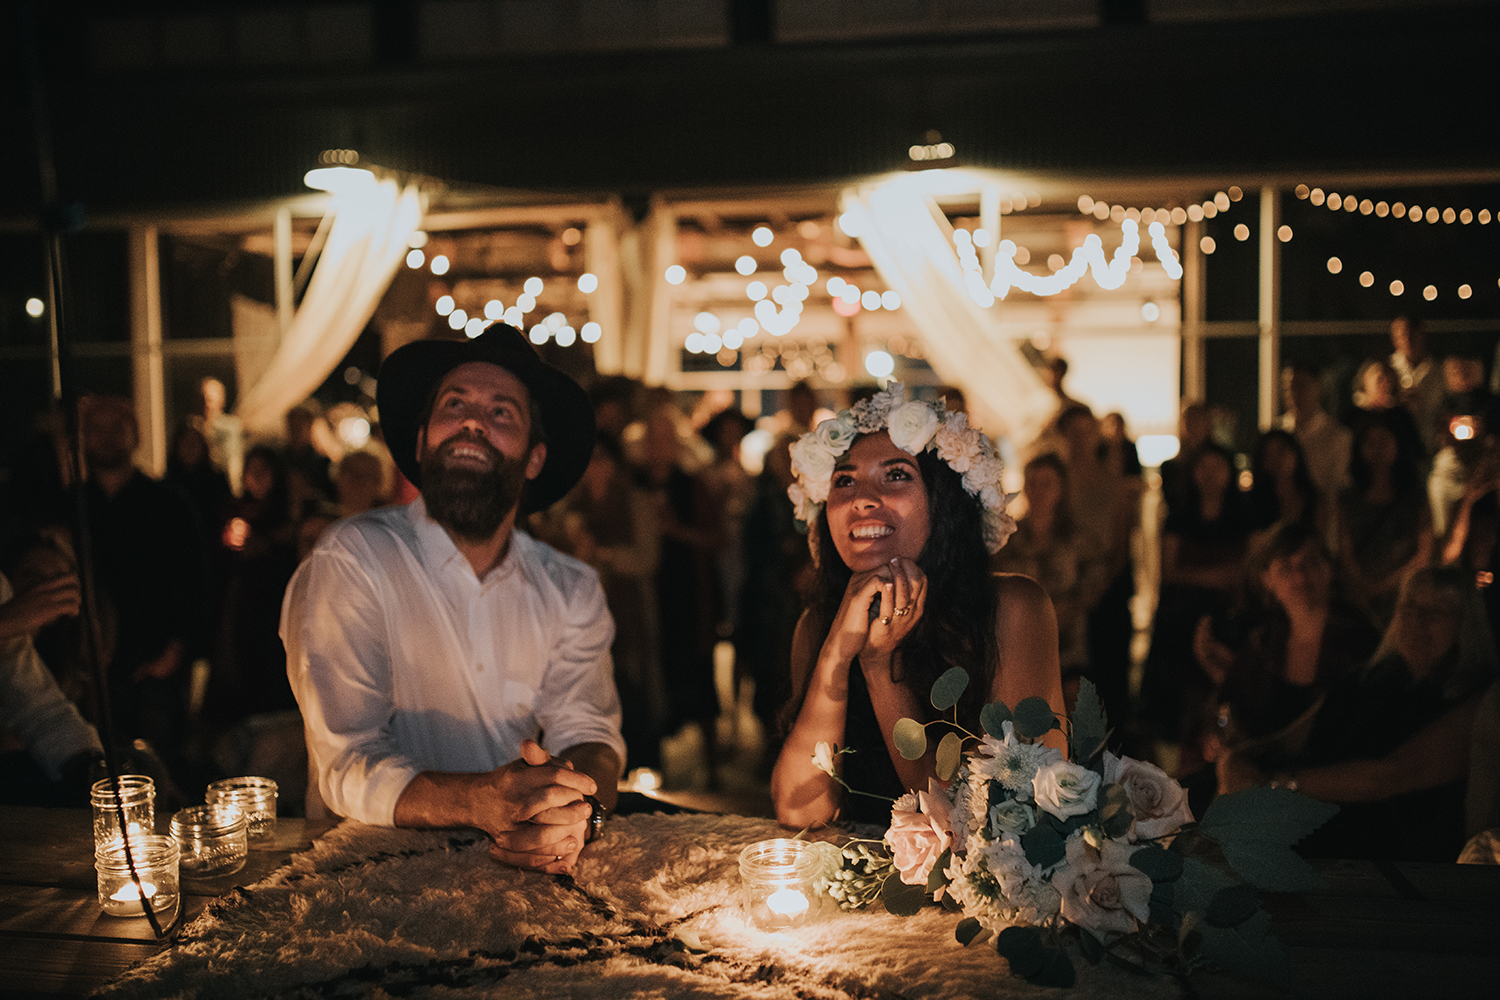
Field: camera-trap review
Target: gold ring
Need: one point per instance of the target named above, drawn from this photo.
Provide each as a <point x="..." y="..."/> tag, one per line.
<point x="885" y="619"/>
<point x="904" y="611"/>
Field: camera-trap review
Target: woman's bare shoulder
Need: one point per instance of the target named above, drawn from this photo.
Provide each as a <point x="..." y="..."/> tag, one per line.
<point x="1016" y="593"/>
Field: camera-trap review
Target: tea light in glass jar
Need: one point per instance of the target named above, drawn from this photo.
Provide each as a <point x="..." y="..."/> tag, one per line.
<point x="778" y="879"/>
<point x="256" y="798"/>
<point x="155" y="859"/>
<point x="136" y="794"/>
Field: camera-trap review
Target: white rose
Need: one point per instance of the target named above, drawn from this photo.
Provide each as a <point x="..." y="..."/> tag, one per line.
<point x="836" y="434"/>
<point x="1065" y="789"/>
<point x="957" y="444"/>
<point x="1011" y="818"/>
<point x="813" y="464"/>
<point x="1158" y="803"/>
<point x="912" y="426"/>
<point x="1100" y="890"/>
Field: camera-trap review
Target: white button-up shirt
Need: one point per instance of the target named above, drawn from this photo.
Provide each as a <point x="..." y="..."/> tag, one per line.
<point x="404" y="661"/>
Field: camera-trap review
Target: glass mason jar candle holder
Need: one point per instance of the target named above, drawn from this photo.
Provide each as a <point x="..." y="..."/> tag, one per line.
<point x="137" y="795"/>
<point x="256" y="798"/>
<point x="211" y="839"/>
<point x="155" y="859"/>
<point x="778" y="879"/>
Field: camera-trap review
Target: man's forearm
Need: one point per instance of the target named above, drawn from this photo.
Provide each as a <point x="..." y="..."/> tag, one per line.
<point x="601" y="763"/>
<point x="436" y="800"/>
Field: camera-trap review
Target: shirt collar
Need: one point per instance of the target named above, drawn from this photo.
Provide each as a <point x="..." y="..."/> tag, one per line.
<point x="440" y="554"/>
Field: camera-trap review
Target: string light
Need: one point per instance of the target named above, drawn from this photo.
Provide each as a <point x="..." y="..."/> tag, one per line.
<point x="1398" y="210"/>
<point x="1088" y="258"/>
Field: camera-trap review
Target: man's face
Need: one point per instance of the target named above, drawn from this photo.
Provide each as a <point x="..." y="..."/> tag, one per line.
<point x="109" y="437"/>
<point x="475" y="450"/>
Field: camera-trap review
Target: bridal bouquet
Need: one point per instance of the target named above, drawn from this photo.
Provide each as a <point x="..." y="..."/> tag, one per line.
<point x="1039" y="850"/>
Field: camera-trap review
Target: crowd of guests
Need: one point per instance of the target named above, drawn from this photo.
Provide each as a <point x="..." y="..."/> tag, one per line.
<point x="1323" y="617"/>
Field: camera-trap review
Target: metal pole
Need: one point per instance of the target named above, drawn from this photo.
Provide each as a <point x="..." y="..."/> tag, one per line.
<point x="1194" y="365"/>
<point x="1270" y="305"/>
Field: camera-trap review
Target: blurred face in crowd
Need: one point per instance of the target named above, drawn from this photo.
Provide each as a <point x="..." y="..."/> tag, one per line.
<point x="258" y="478"/>
<point x="1043" y="488"/>
<point x="476" y="450"/>
<point x="1301" y="579"/>
<point x="1194" y="426"/>
<point x="109" y="435"/>
<point x="1408" y="340"/>
<point x="1426" y="625"/>
<point x="1278" y="459"/>
<point x="214" y="397"/>
<point x="1300" y="391"/>
<point x="877" y="504"/>
<point x="1211" y="474"/>
<point x="1378" y="387"/>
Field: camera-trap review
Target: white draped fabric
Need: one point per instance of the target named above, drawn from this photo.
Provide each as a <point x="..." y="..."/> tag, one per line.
<point x="909" y="240"/>
<point x="366" y="244"/>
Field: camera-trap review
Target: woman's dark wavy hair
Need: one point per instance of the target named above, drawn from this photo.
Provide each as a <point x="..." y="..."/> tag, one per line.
<point x="1406" y="472"/>
<point x="1263" y="499"/>
<point x="957" y="629"/>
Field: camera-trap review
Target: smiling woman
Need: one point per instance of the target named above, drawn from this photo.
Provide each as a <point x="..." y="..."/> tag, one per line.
<point x="904" y="507"/>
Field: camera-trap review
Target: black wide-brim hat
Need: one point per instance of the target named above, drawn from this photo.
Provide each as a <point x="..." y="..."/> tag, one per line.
<point x="409" y="376"/>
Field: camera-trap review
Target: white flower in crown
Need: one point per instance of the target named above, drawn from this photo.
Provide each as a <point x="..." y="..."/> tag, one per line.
<point x="911" y="426"/>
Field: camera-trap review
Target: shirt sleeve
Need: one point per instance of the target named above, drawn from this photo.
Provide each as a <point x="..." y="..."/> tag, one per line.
<point x="578" y="702"/>
<point x="337" y="661"/>
<point x="34" y="708"/>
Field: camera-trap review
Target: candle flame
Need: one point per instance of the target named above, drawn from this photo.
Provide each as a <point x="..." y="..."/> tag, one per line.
<point x="787" y="903"/>
<point x="127" y="893"/>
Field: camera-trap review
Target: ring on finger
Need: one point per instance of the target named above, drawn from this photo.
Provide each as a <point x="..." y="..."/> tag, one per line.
<point x="885" y="619"/>
<point x="904" y="611"/>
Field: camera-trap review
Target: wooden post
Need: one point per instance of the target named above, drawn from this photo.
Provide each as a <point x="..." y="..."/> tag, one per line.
<point x="145" y="348"/>
<point x="1270" y="305"/>
<point x="1194" y="365"/>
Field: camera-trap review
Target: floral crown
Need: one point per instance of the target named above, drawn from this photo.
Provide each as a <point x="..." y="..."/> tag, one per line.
<point x="914" y="427"/>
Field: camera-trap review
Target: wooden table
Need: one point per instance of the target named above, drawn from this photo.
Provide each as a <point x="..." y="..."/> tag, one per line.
<point x="54" y="941"/>
<point x="1374" y="930"/>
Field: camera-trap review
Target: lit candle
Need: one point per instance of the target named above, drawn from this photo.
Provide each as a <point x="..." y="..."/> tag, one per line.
<point x="127" y="893"/>
<point x="787" y="903"/>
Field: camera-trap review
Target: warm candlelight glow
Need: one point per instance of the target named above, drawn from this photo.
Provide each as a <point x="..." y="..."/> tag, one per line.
<point x="787" y="903"/>
<point x="127" y="893"/>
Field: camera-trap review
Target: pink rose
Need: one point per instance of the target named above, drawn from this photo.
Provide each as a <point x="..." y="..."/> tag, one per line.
<point x="1158" y="803"/>
<point x="919" y="833"/>
<point x="1100" y="891"/>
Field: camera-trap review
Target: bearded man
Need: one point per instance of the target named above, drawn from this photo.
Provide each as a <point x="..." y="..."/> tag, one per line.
<point x="451" y="670"/>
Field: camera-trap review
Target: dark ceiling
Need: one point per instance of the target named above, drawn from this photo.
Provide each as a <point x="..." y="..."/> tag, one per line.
<point x="1386" y="91"/>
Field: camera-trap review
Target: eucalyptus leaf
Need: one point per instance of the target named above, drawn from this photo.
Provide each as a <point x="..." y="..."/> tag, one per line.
<point x="967" y="931"/>
<point x="947" y="689"/>
<point x="1022" y="947"/>
<point x="1157" y="863"/>
<point x="1090" y="724"/>
<point x="1249" y="950"/>
<point x="993" y="717"/>
<point x="1255" y="829"/>
<point x="1233" y="906"/>
<point x="910" y="737"/>
<point x="1044" y="846"/>
<point x="1034" y="718"/>
<point x="901" y="899"/>
<point x="938" y="877"/>
<point x="949" y="754"/>
<point x="1056" y="972"/>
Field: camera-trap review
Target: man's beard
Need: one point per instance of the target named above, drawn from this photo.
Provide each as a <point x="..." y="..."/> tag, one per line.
<point x="467" y="501"/>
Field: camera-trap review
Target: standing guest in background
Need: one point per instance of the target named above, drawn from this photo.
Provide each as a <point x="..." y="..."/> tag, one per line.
<point x="220" y="430"/>
<point x="308" y="468"/>
<point x="1193" y="427"/>
<point x="732" y="490"/>
<point x="1282" y="489"/>
<point x="1324" y="440"/>
<point x="1106" y="507"/>
<point x="1378" y="390"/>
<point x="1048" y="548"/>
<point x="1470" y="419"/>
<point x="1203" y="550"/>
<point x="1116" y="450"/>
<point x="360" y="483"/>
<point x="190" y="470"/>
<point x="150" y="567"/>
<point x="687" y="592"/>
<point x="433" y="646"/>
<point x="611" y="524"/>
<point x="1384" y="523"/>
<point x="1421" y="382"/>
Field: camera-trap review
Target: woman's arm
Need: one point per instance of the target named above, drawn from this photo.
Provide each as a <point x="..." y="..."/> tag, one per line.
<point x="803" y="795"/>
<point x="1436" y="755"/>
<point x="1026" y="633"/>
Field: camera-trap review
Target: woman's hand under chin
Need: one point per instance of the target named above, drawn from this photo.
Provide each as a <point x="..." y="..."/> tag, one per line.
<point x="880" y="608"/>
